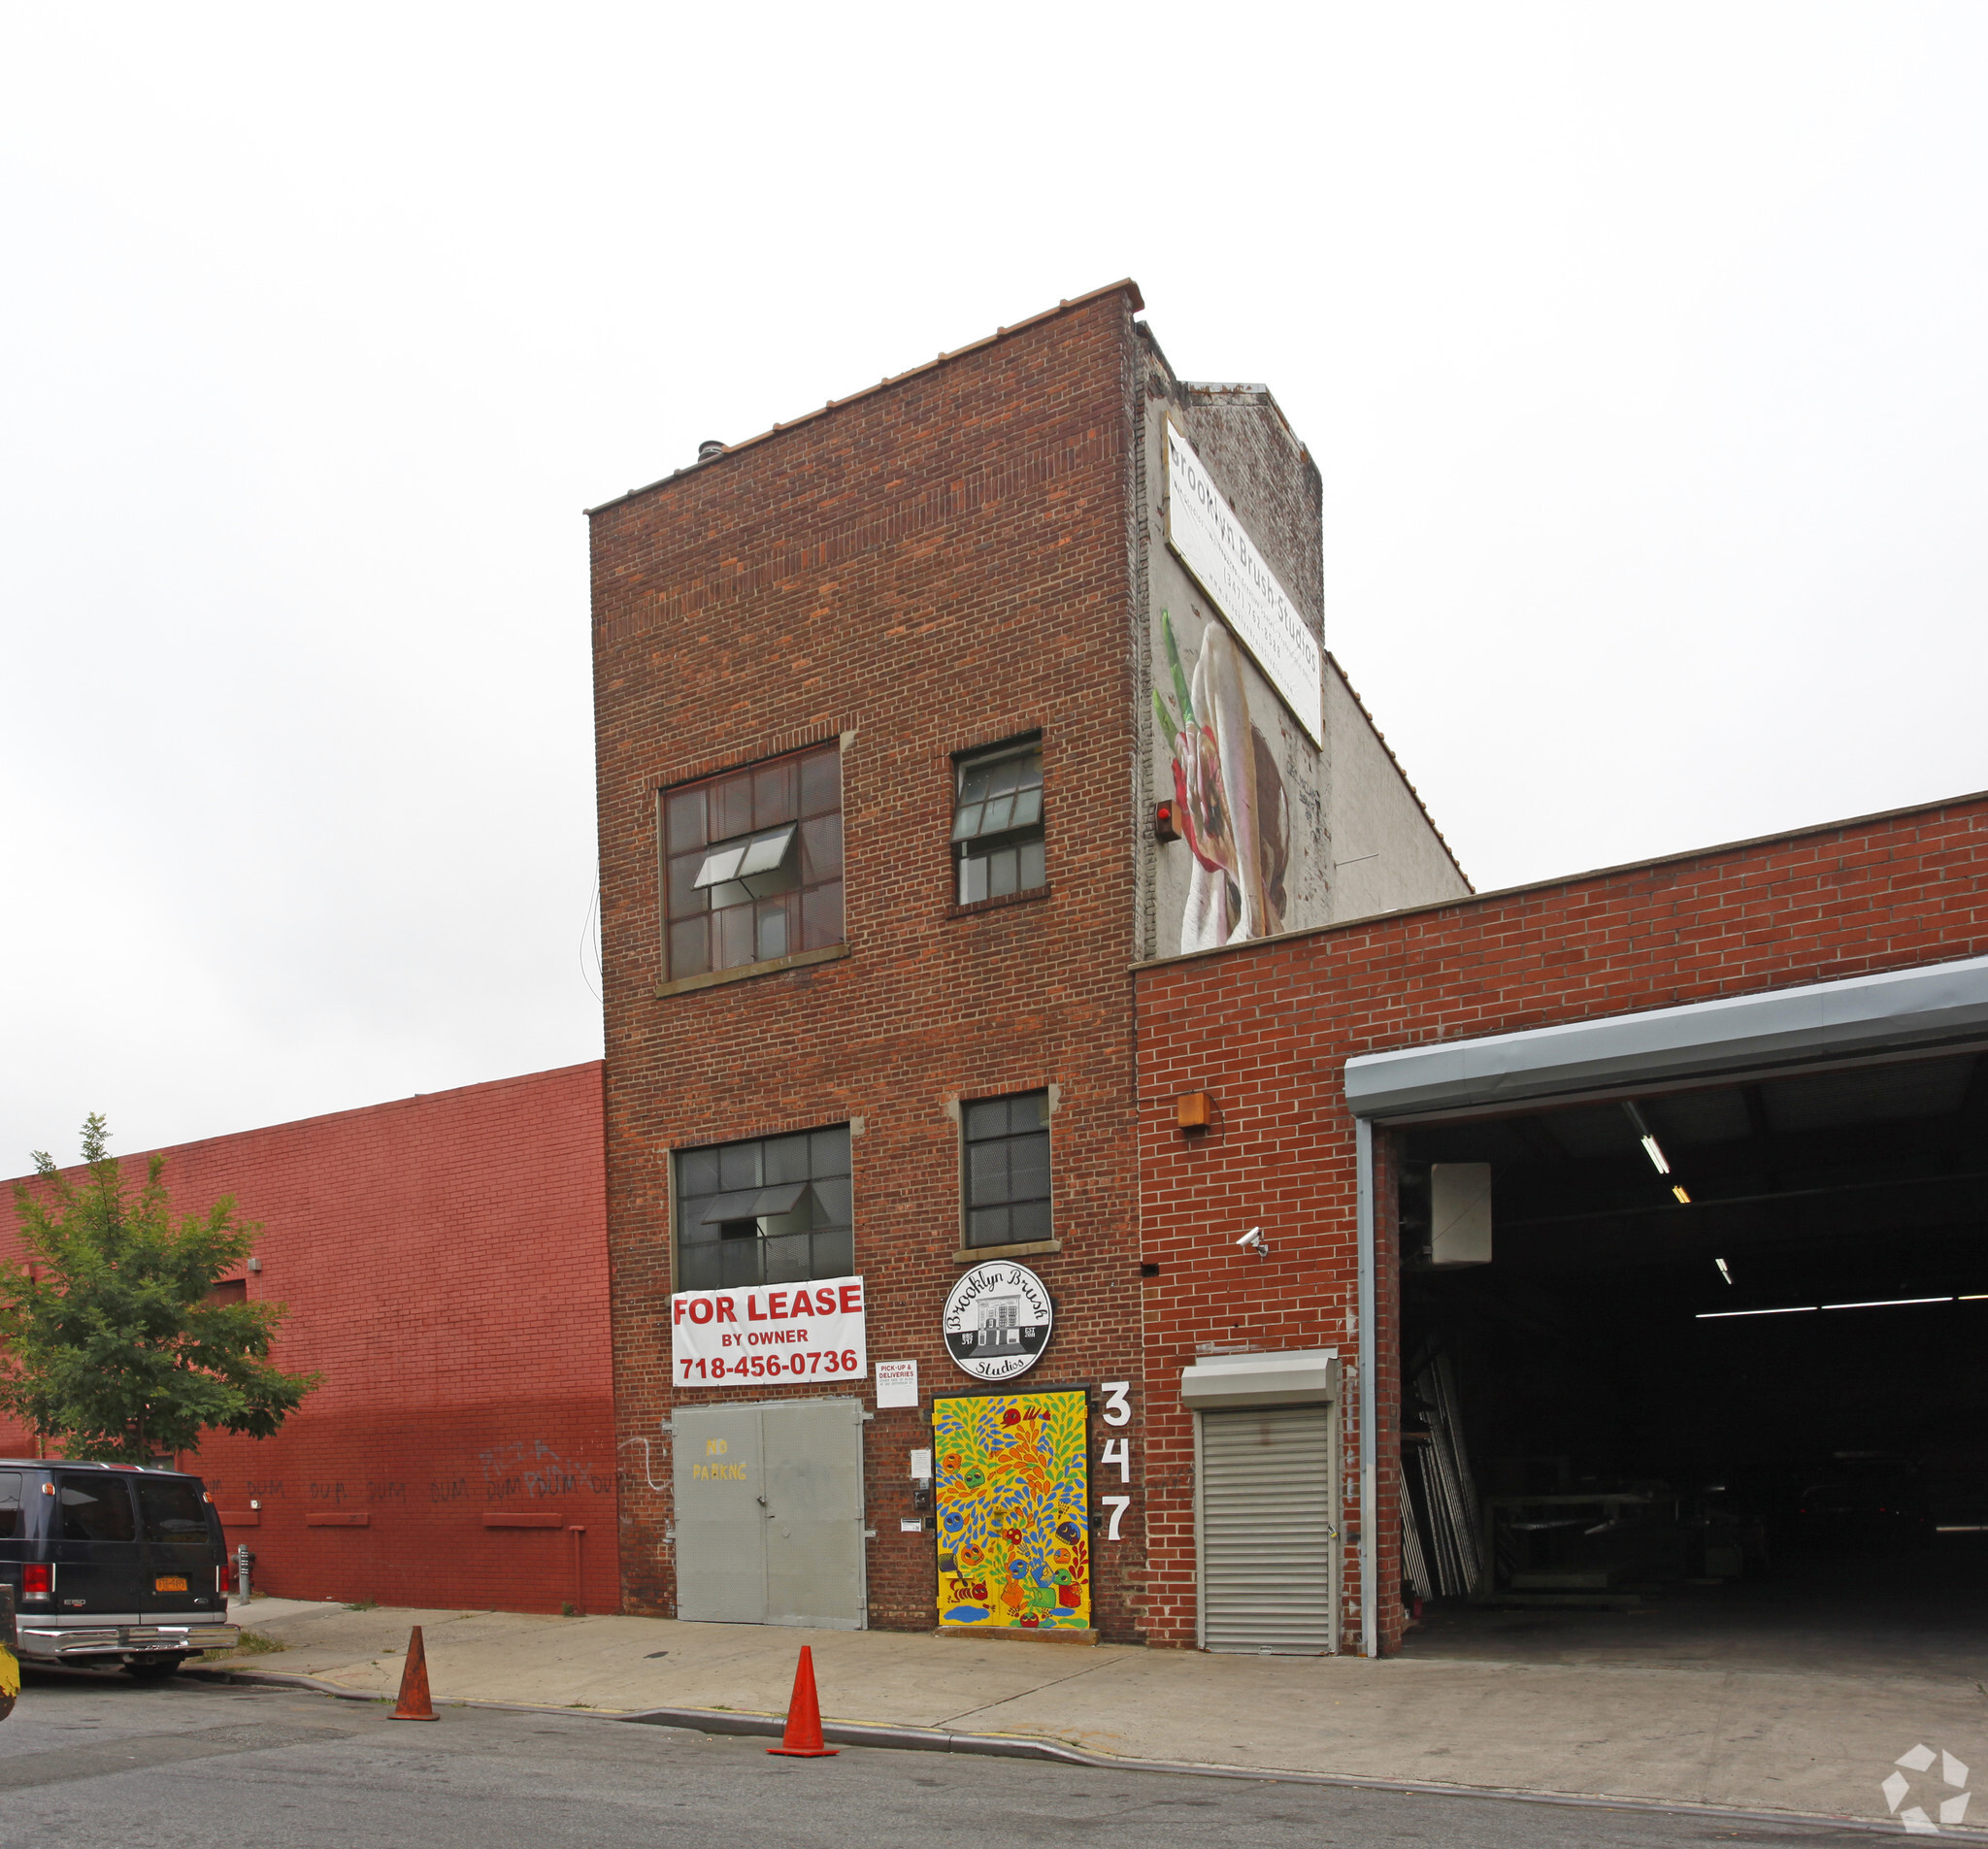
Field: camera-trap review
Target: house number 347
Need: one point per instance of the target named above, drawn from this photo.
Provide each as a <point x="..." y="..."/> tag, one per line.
<point x="1118" y="1451"/>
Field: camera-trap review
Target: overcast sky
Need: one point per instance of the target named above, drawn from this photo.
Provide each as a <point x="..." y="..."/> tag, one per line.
<point x="1642" y="346"/>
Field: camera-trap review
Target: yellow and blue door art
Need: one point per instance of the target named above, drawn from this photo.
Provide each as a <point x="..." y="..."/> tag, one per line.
<point x="1010" y="1481"/>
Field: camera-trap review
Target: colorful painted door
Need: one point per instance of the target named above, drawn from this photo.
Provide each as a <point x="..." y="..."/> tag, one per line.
<point x="1013" y="1489"/>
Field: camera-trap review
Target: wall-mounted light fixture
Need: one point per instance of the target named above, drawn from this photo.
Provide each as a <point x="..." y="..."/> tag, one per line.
<point x="1164" y="827"/>
<point x="1194" y="1110"/>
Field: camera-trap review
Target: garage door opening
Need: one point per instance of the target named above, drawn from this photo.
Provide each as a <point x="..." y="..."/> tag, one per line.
<point x="1709" y="1376"/>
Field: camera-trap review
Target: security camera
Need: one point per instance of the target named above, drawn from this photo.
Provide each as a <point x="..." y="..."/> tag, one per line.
<point x="1255" y="1242"/>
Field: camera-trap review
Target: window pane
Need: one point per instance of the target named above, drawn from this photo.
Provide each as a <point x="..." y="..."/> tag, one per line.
<point x="988" y="1117"/>
<point x="772" y="929"/>
<point x="684" y="810"/>
<point x="821" y="849"/>
<point x="1029" y="1111"/>
<point x="986" y="1172"/>
<point x="987" y="1226"/>
<point x="738" y="1166"/>
<point x="720" y="865"/>
<point x="686" y="898"/>
<point x="94" y="1508"/>
<point x="787" y="1159"/>
<point x="828" y="1150"/>
<point x="832" y="1200"/>
<point x="732" y="931"/>
<point x="967" y="823"/>
<point x="731" y="806"/>
<point x="1001" y="871"/>
<point x="739" y="1262"/>
<point x="1029" y="1167"/>
<point x="1031" y="771"/>
<point x="1006" y="775"/>
<point x="973" y="880"/>
<point x="697" y="1171"/>
<point x="775" y="794"/>
<point x="1029" y="1220"/>
<point x="10" y="1505"/>
<point x="821" y="783"/>
<point x="998" y="813"/>
<point x="170" y="1510"/>
<point x="695" y="1229"/>
<point x="1028" y="806"/>
<point x="834" y="1254"/>
<point x="821" y="915"/>
<point x="689" y="947"/>
<point x="789" y="1260"/>
<point x="697" y="1268"/>
<point x="973" y="783"/>
<point x="765" y="852"/>
<point x="1030" y="869"/>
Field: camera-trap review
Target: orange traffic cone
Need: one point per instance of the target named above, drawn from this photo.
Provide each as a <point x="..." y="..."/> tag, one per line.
<point x="803" y="1737"/>
<point x="415" y="1704"/>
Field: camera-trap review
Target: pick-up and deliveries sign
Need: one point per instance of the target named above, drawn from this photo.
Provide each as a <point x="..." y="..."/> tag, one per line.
<point x="771" y="1333"/>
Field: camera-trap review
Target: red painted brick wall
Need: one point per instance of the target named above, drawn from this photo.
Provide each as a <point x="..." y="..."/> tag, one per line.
<point x="1267" y="1027"/>
<point x="935" y="566"/>
<point x="444" y="1261"/>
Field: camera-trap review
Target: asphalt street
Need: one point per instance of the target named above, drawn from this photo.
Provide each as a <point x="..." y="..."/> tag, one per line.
<point x="90" y="1760"/>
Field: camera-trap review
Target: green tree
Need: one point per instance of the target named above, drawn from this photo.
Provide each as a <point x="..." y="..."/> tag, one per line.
<point x="112" y="1348"/>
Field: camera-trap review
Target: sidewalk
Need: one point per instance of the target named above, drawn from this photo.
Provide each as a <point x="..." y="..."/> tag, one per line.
<point x="1753" y="1739"/>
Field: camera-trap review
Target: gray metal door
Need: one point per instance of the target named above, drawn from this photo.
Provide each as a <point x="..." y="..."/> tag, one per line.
<point x="814" y="1452"/>
<point x="1267" y="1524"/>
<point x="720" y="1514"/>
<point x="770" y="1513"/>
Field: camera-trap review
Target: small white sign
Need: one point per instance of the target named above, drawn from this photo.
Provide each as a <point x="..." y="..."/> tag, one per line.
<point x="1203" y="528"/>
<point x="922" y="1467"/>
<point x="897" y="1385"/>
<point x="911" y="1525"/>
<point x="782" y="1333"/>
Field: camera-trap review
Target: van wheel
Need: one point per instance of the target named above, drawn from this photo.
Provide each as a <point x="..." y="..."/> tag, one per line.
<point x="153" y="1669"/>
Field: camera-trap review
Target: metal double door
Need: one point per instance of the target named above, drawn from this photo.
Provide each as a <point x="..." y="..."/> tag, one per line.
<point x="770" y="1513"/>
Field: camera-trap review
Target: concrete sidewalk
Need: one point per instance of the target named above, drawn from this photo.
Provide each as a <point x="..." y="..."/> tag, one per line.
<point x="1747" y="1738"/>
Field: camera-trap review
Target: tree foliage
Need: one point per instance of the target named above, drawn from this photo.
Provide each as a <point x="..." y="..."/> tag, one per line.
<point x="113" y="1349"/>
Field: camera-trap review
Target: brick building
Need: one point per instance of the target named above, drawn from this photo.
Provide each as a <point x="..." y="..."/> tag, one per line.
<point x="1716" y="1288"/>
<point x="443" y="1263"/>
<point x="920" y="720"/>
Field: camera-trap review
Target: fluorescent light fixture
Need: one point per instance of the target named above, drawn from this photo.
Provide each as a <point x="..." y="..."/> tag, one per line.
<point x="1979" y="1297"/>
<point x="1684" y="1199"/>
<point x="1791" y="1309"/>
<point x="1888" y="1303"/>
<point x="1649" y="1142"/>
<point x="1656" y="1155"/>
<point x="1723" y="1272"/>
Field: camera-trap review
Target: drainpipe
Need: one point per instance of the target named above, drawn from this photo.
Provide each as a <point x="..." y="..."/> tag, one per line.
<point x="1370" y="1448"/>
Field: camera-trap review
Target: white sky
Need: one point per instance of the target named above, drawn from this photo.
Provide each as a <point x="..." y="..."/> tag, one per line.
<point x="1642" y="346"/>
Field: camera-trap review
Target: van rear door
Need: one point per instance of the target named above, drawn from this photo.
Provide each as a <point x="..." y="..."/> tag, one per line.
<point x="180" y="1554"/>
<point x="99" y="1560"/>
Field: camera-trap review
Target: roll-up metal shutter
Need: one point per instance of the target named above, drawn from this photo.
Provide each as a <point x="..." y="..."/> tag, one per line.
<point x="1267" y="1550"/>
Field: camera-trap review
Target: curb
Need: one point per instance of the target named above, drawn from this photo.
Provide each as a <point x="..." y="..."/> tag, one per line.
<point x="932" y="1739"/>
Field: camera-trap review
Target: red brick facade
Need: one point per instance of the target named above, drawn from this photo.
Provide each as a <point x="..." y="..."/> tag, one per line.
<point x="444" y="1261"/>
<point x="1267" y="1029"/>
<point x="929" y="568"/>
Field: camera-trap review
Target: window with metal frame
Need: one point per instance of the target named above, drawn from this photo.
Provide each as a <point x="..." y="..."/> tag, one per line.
<point x="1006" y="1145"/>
<point x="753" y="864"/>
<point x="773" y="1210"/>
<point x="997" y="821"/>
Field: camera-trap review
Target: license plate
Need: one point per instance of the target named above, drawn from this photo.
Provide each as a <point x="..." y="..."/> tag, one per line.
<point x="169" y="1585"/>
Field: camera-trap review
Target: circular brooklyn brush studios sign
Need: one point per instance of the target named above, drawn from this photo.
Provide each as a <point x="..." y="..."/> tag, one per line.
<point x="997" y="1321"/>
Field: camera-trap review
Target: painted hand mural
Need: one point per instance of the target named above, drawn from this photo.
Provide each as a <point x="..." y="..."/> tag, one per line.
<point x="1230" y="796"/>
<point x="1013" y="1490"/>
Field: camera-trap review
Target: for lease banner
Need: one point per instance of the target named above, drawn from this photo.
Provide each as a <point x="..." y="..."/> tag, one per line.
<point x="772" y="1333"/>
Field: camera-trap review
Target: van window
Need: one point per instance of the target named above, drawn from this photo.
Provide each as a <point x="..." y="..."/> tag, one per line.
<point x="170" y="1510"/>
<point x="11" y="1524"/>
<point x="95" y="1508"/>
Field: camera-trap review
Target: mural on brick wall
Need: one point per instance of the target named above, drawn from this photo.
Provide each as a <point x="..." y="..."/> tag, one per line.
<point x="1230" y="801"/>
<point x="1012" y="1491"/>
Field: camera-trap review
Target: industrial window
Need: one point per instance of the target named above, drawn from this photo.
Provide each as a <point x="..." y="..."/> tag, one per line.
<point x="1006" y="1144"/>
<point x="753" y="864"/>
<point x="997" y="821"/>
<point x="775" y="1211"/>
